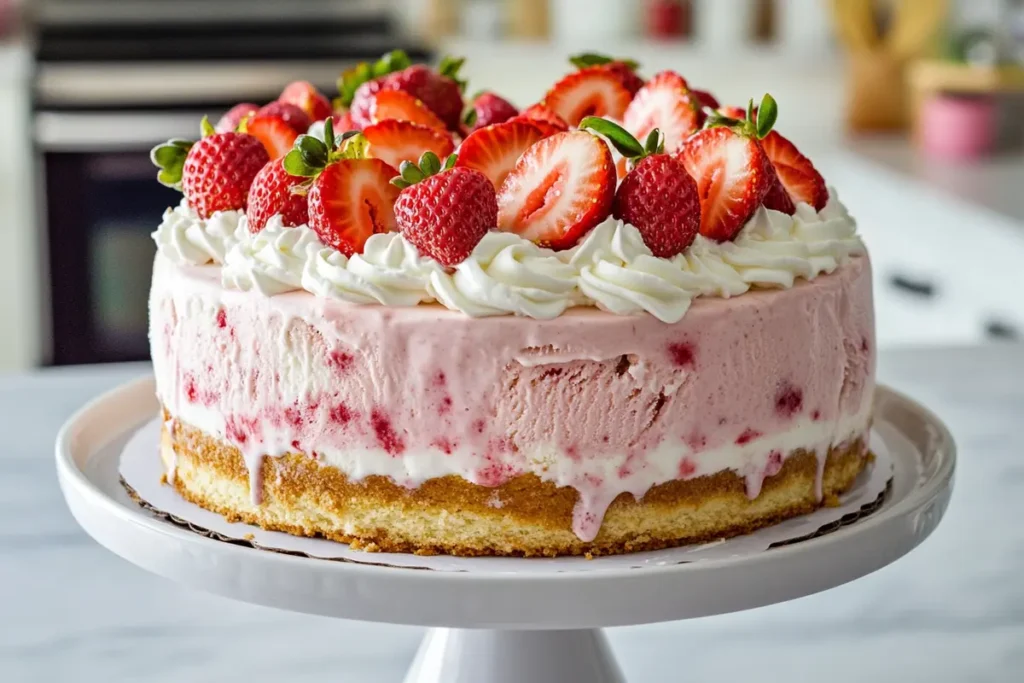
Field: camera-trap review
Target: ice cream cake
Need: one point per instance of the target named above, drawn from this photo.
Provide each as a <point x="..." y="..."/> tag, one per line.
<point x="623" y="318"/>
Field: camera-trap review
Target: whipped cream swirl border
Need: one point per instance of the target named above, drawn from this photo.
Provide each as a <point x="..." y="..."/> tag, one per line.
<point x="611" y="268"/>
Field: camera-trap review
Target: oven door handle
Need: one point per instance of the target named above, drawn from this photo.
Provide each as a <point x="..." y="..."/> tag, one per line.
<point x="111" y="131"/>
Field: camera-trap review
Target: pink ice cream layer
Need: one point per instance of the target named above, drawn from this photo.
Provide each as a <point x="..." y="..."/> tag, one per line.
<point x="603" y="403"/>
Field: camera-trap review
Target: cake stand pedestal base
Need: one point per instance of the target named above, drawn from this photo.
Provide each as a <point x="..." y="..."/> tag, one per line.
<point x="456" y="655"/>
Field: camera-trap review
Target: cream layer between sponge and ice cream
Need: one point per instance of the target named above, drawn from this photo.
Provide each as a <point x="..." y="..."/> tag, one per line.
<point x="603" y="403"/>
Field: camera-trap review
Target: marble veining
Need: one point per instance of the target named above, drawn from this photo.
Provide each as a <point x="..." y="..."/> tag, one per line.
<point x="951" y="611"/>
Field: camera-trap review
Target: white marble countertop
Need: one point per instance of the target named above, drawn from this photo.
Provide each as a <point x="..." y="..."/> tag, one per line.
<point x="951" y="611"/>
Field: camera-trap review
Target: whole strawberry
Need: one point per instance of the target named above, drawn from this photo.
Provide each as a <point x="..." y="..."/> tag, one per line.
<point x="276" y="191"/>
<point x="444" y="212"/>
<point x="214" y="173"/>
<point x="657" y="196"/>
<point x="489" y="109"/>
<point x="440" y="90"/>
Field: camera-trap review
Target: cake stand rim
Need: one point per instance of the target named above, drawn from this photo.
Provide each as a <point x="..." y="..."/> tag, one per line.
<point x="901" y="524"/>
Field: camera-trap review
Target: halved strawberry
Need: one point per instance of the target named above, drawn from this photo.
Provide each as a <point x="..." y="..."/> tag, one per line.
<point x="351" y="200"/>
<point x="665" y="103"/>
<point x="401" y="106"/>
<point x="396" y="141"/>
<point x="289" y="113"/>
<point x="705" y="99"/>
<point x="594" y="91"/>
<point x="796" y="173"/>
<point x="733" y="176"/>
<point x="733" y="112"/>
<point x="540" y="112"/>
<point x="494" y="150"/>
<point x="777" y="198"/>
<point x="306" y="97"/>
<point x="559" y="189"/>
<point x="275" y="133"/>
<point x="232" y="117"/>
<point x="624" y="69"/>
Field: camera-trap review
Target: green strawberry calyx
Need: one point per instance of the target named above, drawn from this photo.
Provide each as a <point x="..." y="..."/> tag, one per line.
<point x="411" y="173"/>
<point x="351" y="79"/>
<point x="311" y="155"/>
<point x="449" y="67"/>
<point x="587" y="59"/>
<point x="757" y="124"/>
<point x="623" y="141"/>
<point x="170" y="156"/>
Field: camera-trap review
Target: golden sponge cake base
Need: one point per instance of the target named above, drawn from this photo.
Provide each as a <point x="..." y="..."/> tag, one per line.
<point x="523" y="517"/>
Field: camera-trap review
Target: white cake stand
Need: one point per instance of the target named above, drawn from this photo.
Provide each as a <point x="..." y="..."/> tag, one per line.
<point x="503" y="626"/>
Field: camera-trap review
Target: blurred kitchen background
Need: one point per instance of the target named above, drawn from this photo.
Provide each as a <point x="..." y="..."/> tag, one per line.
<point x="913" y="109"/>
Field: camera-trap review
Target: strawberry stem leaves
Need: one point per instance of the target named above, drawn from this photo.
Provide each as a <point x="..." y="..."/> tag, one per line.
<point x="585" y="59"/>
<point x="757" y="124"/>
<point x="411" y="173"/>
<point x="450" y="67"/>
<point x="621" y="139"/>
<point x="351" y="79"/>
<point x="169" y="157"/>
<point x="655" y="143"/>
<point x="767" y="114"/>
<point x="206" y="127"/>
<point x="312" y="155"/>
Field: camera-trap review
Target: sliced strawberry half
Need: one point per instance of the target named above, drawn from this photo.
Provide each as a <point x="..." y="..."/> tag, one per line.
<point x="733" y="176"/>
<point x="539" y="112"/>
<point x="494" y="150"/>
<point x="778" y="199"/>
<point x="304" y="95"/>
<point x="594" y="91"/>
<point x="796" y="173"/>
<point x="351" y="200"/>
<point x="401" y="106"/>
<point x="396" y="141"/>
<point x="665" y="103"/>
<point x="559" y="189"/>
<point x="276" y="134"/>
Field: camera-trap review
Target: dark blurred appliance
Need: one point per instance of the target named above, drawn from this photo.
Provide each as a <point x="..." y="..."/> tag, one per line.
<point x="115" y="77"/>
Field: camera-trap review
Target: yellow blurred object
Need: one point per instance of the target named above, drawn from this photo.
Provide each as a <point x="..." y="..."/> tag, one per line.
<point x="883" y="37"/>
<point x="528" y="19"/>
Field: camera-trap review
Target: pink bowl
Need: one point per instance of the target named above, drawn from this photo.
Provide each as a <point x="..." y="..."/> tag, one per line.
<point x="957" y="127"/>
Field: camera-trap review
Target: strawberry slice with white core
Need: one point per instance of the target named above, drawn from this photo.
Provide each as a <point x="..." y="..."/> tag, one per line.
<point x="401" y="106"/>
<point x="665" y="103"/>
<point x="351" y="200"/>
<point x="594" y="91"/>
<point x="796" y="173"/>
<point x="394" y="141"/>
<point x="494" y="150"/>
<point x="276" y="134"/>
<point x="733" y="176"/>
<point x="559" y="190"/>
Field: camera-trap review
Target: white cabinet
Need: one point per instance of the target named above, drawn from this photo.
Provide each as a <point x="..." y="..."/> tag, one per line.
<point x="945" y="272"/>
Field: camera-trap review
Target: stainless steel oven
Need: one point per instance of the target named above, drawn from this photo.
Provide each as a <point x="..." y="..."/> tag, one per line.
<point x="112" y="82"/>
